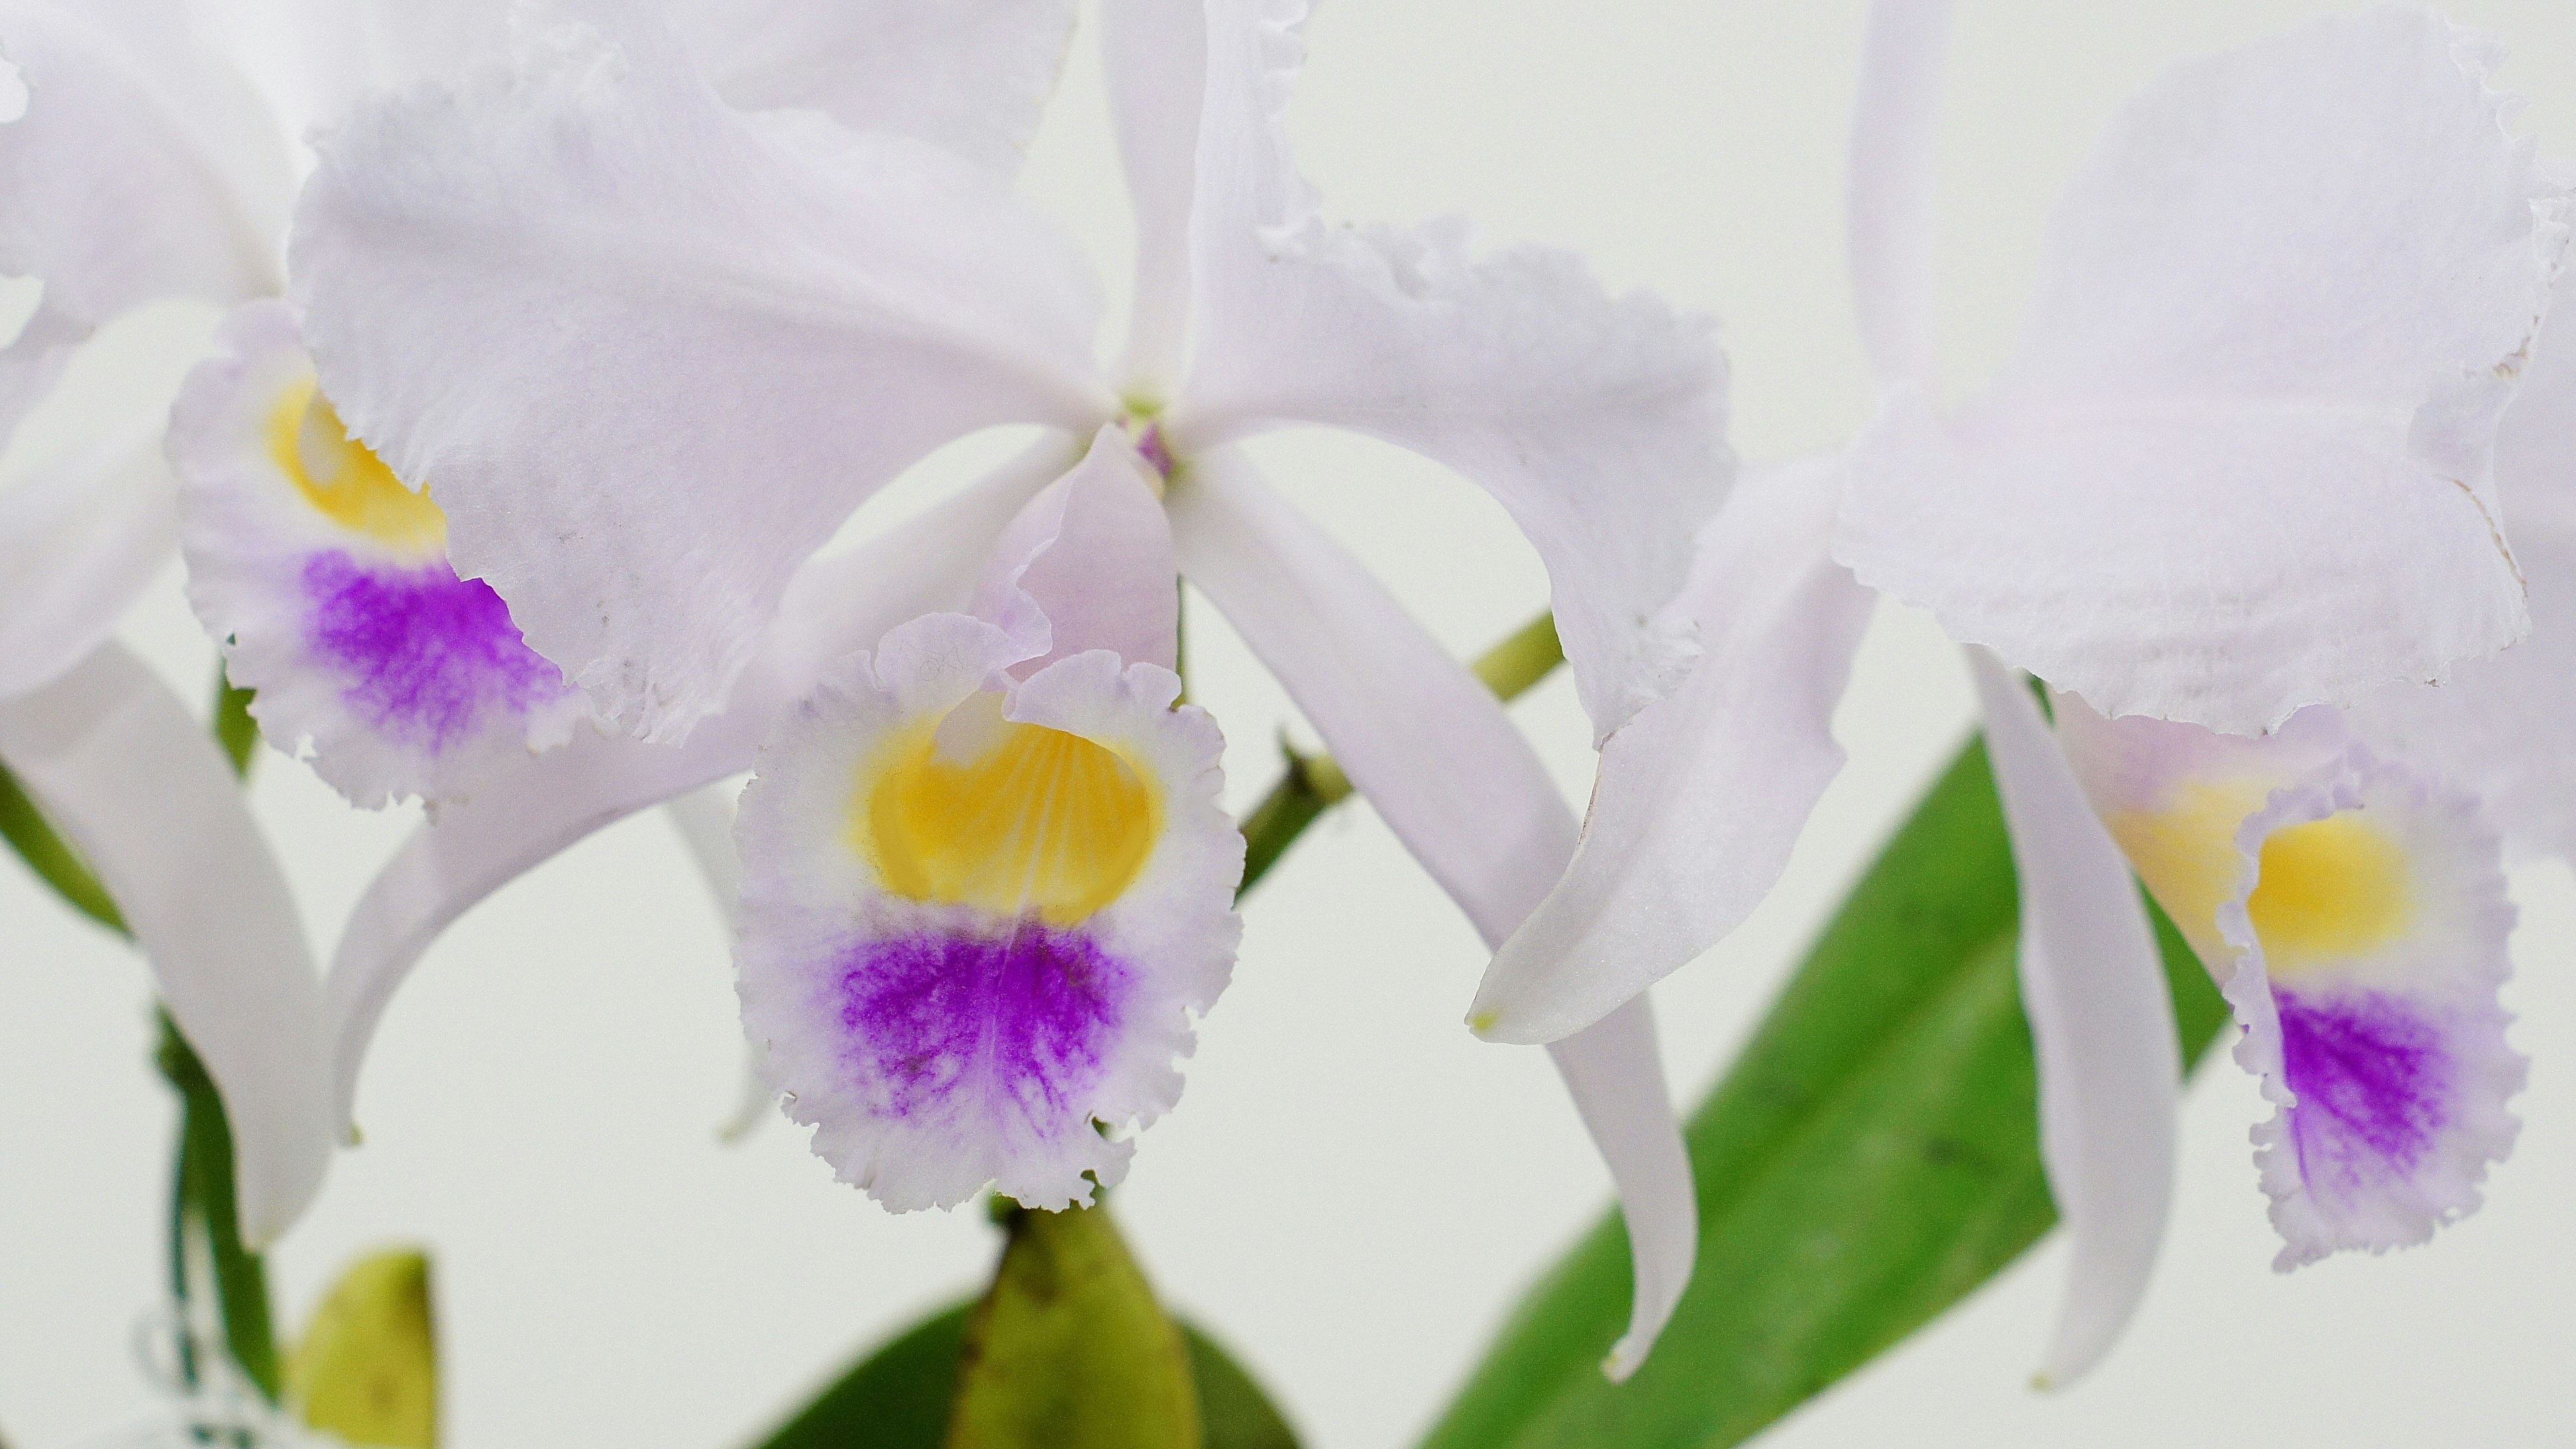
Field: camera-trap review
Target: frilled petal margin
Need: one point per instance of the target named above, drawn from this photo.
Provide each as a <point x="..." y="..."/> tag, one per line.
<point x="2353" y="911"/>
<point x="1701" y="796"/>
<point x="2223" y="478"/>
<point x="2101" y="1024"/>
<point x="1434" y="753"/>
<point x="1598" y="422"/>
<point x="327" y="582"/>
<point x="753" y="323"/>
<point x="147" y="797"/>
<point x="980" y="915"/>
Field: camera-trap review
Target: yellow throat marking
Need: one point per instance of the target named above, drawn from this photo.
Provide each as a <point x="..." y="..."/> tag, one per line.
<point x="343" y="478"/>
<point x="1010" y="818"/>
<point x="2326" y="890"/>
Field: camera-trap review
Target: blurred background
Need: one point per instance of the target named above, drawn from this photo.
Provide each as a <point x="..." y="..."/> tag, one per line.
<point x="1352" y="1189"/>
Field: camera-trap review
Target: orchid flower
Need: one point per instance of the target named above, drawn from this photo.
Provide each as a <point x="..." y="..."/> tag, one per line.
<point x="2223" y="480"/>
<point x="2241" y="465"/>
<point x="648" y="350"/>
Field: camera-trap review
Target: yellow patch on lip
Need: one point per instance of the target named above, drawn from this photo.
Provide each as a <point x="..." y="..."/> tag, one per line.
<point x="1021" y="818"/>
<point x="2329" y="890"/>
<point x="2324" y="891"/>
<point x="343" y="478"/>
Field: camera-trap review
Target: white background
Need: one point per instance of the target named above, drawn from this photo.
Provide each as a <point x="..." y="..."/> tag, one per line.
<point x="1353" y="1188"/>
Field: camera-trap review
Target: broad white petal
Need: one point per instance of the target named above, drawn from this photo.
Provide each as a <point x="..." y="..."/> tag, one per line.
<point x="971" y="77"/>
<point x="1156" y="52"/>
<point x="2497" y="726"/>
<point x="2354" y="913"/>
<point x="151" y="803"/>
<point x="1894" y="170"/>
<point x="1088" y="565"/>
<point x="2101" y="1023"/>
<point x="1433" y="752"/>
<point x="1597" y="421"/>
<point x="139" y="168"/>
<point x="1700" y="797"/>
<point x="546" y="804"/>
<point x="327" y="583"/>
<point x="750" y="325"/>
<point x="315" y="60"/>
<point x="79" y="539"/>
<point x="964" y="952"/>
<point x="2242" y="462"/>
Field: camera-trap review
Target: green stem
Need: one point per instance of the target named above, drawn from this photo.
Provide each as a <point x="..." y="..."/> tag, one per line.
<point x="1314" y="784"/>
<point x="206" y="1202"/>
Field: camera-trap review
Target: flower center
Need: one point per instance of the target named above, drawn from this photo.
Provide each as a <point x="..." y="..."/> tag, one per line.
<point x="343" y="478"/>
<point x="1012" y="818"/>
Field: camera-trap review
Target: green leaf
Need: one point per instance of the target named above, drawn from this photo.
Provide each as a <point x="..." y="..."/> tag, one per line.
<point x="204" y="1206"/>
<point x="367" y="1368"/>
<point x="1871" y="1158"/>
<point x="898" y="1396"/>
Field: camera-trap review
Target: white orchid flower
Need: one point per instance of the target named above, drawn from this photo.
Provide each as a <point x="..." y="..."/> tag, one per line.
<point x="2241" y="465"/>
<point x="648" y="350"/>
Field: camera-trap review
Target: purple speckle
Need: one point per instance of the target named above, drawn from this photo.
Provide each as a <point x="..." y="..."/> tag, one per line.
<point x="1019" y="1019"/>
<point x="427" y="655"/>
<point x="2371" y="1077"/>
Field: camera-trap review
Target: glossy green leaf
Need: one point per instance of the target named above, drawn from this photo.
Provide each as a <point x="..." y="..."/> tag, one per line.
<point x="1872" y="1157"/>
<point x="367" y="1367"/>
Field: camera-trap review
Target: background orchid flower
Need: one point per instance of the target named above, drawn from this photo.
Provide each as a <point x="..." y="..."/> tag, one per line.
<point x="2241" y="465"/>
<point x="799" y="310"/>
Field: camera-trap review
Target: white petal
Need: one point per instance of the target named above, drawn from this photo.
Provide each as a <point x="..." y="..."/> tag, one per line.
<point x="2101" y="1023"/>
<point x="970" y="77"/>
<point x="1156" y="53"/>
<point x="1432" y="750"/>
<point x="953" y="990"/>
<point x="138" y="787"/>
<point x="2242" y="461"/>
<point x="79" y="539"/>
<point x="1088" y="565"/>
<point x="1700" y="797"/>
<point x="1425" y="743"/>
<point x="2496" y="725"/>
<point x="1614" y="1070"/>
<point x="2354" y="913"/>
<point x="141" y="168"/>
<point x="546" y="804"/>
<point x="328" y="584"/>
<point x="750" y="326"/>
<point x="316" y="60"/>
<point x="1598" y="422"/>
<point x="1894" y="166"/>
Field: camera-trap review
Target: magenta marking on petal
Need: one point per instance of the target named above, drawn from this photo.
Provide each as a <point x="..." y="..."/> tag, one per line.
<point x="427" y="655"/>
<point x="1024" y="1017"/>
<point x="2372" y="1079"/>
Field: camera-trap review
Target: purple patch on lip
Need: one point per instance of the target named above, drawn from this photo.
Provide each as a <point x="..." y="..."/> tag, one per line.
<point x="2372" y="1079"/>
<point x="428" y="655"/>
<point x="1024" y="1017"/>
